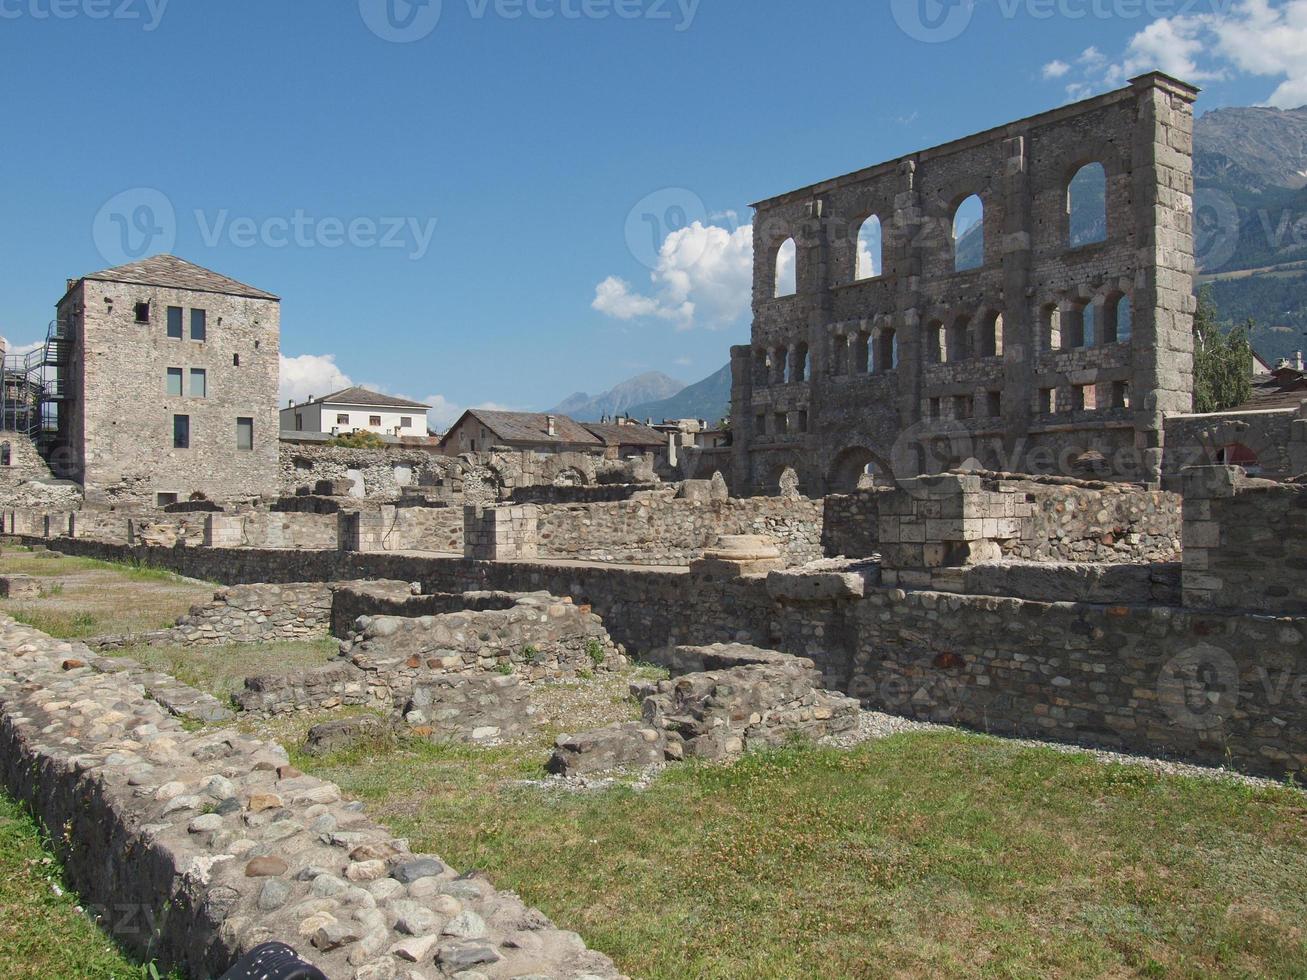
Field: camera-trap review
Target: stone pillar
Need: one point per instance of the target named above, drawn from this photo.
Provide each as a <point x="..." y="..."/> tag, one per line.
<point x="738" y="555"/>
<point x="366" y="530"/>
<point x="1202" y="531"/>
<point x="223" y="531"/>
<point x="1164" y="303"/>
<point x="501" y="533"/>
<point x="1018" y="311"/>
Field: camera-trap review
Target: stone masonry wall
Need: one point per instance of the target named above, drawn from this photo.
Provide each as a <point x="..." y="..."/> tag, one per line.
<point x="1245" y="542"/>
<point x="196" y="847"/>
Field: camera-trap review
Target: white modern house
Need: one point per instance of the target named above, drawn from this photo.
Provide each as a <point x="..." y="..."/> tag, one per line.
<point x="357" y="410"/>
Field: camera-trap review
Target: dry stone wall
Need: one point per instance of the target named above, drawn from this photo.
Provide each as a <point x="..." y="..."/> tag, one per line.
<point x="196" y="847"/>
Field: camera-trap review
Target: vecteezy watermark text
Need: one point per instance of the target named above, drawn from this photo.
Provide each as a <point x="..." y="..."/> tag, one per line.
<point x="141" y="222"/>
<point x="407" y="21"/>
<point x="937" y="21"/>
<point x="149" y="12"/>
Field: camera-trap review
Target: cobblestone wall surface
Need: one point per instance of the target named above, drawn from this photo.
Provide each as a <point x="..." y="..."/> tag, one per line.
<point x="195" y="847"/>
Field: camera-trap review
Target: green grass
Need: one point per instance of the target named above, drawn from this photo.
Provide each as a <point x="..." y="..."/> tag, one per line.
<point x="221" y="670"/>
<point x="926" y="854"/>
<point x="42" y="935"/>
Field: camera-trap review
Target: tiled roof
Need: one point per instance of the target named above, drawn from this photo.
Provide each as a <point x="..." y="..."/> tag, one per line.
<point x="367" y="398"/>
<point x="612" y="434"/>
<point x="533" y="427"/>
<point x="1286" y="388"/>
<point x="174" y="273"/>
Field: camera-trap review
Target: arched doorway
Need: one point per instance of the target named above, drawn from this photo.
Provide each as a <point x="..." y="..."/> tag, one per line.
<point x="855" y="468"/>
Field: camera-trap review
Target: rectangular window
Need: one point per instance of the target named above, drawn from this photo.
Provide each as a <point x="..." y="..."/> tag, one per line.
<point x="374" y="420"/>
<point x="962" y="407"/>
<point x="181" y="432"/>
<point x="245" y="435"/>
<point x="803" y="421"/>
<point x="405" y="422"/>
<point x="1077" y="398"/>
<point x="342" y="419"/>
<point x="934" y="408"/>
<point x="175" y="382"/>
<point x="199" y="325"/>
<point x="1120" y="394"/>
<point x="1045" y="401"/>
<point x="175" y="322"/>
<point x="142" y="312"/>
<point x="299" y="422"/>
<point x="199" y="383"/>
<point x="994" y="404"/>
<point x="782" y="423"/>
<point x="164" y="499"/>
<point x="235" y="360"/>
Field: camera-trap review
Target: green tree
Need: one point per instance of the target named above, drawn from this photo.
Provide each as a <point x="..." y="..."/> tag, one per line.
<point x="1223" y="360"/>
<point x="358" y="440"/>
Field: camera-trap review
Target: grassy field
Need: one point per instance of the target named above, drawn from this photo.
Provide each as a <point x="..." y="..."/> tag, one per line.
<point x="84" y="597"/>
<point x="937" y="854"/>
<point x="42" y="934"/>
<point x="221" y="670"/>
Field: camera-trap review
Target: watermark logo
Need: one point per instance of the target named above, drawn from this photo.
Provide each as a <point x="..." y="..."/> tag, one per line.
<point x="134" y="225"/>
<point x="148" y="13"/>
<point x="401" y="21"/>
<point x="658" y="216"/>
<point x="1216" y="228"/>
<point x="928" y="448"/>
<point x="933" y="21"/>
<point x="1199" y="688"/>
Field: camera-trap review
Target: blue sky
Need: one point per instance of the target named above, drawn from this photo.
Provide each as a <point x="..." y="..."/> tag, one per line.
<point x="458" y="208"/>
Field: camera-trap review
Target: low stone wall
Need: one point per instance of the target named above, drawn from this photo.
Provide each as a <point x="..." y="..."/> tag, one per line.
<point x="1099" y="523"/>
<point x="317" y="689"/>
<point x="1245" y="542"/>
<point x="1100" y="582"/>
<point x="604" y="493"/>
<point x="354" y="600"/>
<point x="477" y="709"/>
<point x="1278" y="438"/>
<point x="195" y="847"/>
<point x="658" y="528"/>
<point x="540" y="637"/>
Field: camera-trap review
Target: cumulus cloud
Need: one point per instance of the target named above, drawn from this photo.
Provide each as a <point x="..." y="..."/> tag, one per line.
<point x="12" y="349"/>
<point x="1263" y="38"/>
<point x="309" y="376"/>
<point x="704" y="277"/>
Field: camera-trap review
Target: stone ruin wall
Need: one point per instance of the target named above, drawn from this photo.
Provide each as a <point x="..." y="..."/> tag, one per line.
<point x="196" y="847"/>
<point x="1277" y="437"/>
<point x="846" y="373"/>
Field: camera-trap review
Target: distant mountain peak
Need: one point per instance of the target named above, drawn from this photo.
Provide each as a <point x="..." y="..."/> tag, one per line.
<point x="648" y="387"/>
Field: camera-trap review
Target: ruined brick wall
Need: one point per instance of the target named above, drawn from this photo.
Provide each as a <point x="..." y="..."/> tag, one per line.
<point x="1245" y="542"/>
<point x="1278" y="440"/>
<point x="844" y="373"/>
<point x="120" y="436"/>
<point x="658" y="528"/>
<point x="1067" y="523"/>
<point x="373" y="473"/>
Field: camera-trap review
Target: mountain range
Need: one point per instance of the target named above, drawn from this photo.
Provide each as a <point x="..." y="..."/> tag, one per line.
<point x="1250" y="189"/>
<point x="621" y="400"/>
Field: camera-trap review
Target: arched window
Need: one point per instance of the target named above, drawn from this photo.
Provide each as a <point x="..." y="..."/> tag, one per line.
<point x="1050" y="327"/>
<point x="787" y="257"/>
<point x="870" y="249"/>
<point x="1237" y="454"/>
<point x="1086" y="205"/>
<point x="887" y="350"/>
<point x="1116" y="320"/>
<point x="969" y="234"/>
<point x="1090" y="317"/>
<point x="991" y="335"/>
<point x="861" y="352"/>
<point x="799" y="369"/>
<point x="935" y="342"/>
<point x="957" y="345"/>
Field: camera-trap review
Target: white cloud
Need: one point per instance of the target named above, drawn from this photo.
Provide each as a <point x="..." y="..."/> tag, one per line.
<point x="704" y="277"/>
<point x="12" y="349"/>
<point x="1263" y="38"/>
<point x="310" y="375"/>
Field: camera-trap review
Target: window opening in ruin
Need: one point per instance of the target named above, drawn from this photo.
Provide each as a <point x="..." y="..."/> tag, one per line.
<point x="782" y="423"/>
<point x="787" y="279"/>
<point x="962" y="407"/>
<point x="235" y="360"/>
<point x="969" y="234"/>
<point x="1046" y="401"/>
<point x="956" y="344"/>
<point x="1120" y="394"/>
<point x="175" y="382"/>
<point x="1090" y="325"/>
<point x="245" y="435"/>
<point x="164" y="499"/>
<point x="934" y="408"/>
<point x="861" y="353"/>
<point x="994" y="404"/>
<point x="870" y="251"/>
<point x="887" y="351"/>
<point x="1087" y="206"/>
<point x="1116" y="320"/>
<point x="1050" y="328"/>
<point x="1237" y="454"/>
<point x="803" y="421"/>
<point x="1073" y="327"/>
<point x="181" y="432"/>
<point x="142" y="312"/>
<point x="935" y="342"/>
<point x="800" y="372"/>
<point x="991" y="335"/>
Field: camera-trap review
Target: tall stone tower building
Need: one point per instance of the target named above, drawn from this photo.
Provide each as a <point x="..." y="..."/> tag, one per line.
<point x="1053" y="336"/>
<point x="170" y="389"/>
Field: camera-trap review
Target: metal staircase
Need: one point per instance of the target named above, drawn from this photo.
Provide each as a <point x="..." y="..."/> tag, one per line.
<point x="35" y="386"/>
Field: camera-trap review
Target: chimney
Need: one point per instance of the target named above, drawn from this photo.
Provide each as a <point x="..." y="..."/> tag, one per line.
<point x="290" y="402"/>
<point x="551" y="425"/>
<point x="1297" y="361"/>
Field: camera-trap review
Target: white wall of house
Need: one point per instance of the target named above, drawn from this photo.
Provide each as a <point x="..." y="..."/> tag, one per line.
<point x="354" y="418"/>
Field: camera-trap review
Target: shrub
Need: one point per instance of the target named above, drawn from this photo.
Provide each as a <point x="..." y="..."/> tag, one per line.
<point x="358" y="440"/>
<point x="595" y="650"/>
